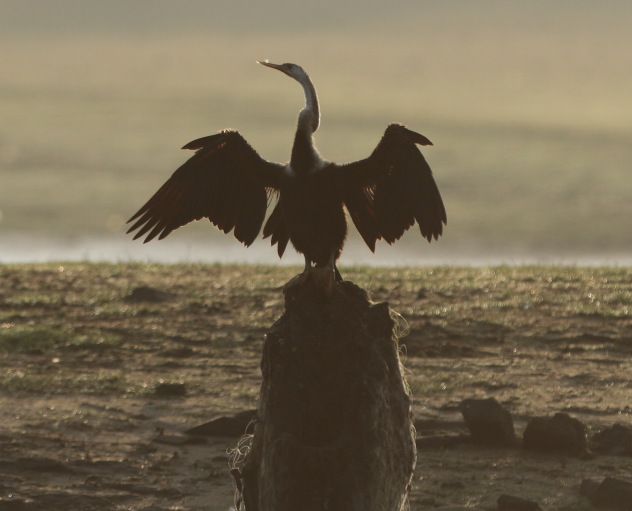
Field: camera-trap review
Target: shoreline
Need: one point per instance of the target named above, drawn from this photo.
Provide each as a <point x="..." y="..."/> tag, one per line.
<point x="22" y="248"/>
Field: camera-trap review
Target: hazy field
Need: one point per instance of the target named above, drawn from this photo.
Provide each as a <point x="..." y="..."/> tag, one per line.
<point x="528" y="108"/>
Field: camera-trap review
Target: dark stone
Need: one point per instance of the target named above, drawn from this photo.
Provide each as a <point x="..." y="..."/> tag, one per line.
<point x="615" y="440"/>
<point x="234" y="426"/>
<point x="615" y="494"/>
<point x="488" y="421"/>
<point x="560" y="434"/>
<point x="588" y="488"/>
<point x="335" y="424"/>
<point x="171" y="389"/>
<point x="148" y="294"/>
<point x="511" y="503"/>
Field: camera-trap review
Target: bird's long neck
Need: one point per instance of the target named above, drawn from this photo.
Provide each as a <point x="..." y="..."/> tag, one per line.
<point x="304" y="154"/>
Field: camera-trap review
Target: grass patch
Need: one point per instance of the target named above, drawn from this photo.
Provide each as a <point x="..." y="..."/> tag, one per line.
<point x="53" y="380"/>
<point x="45" y="338"/>
<point x="79" y="313"/>
<point x="20" y="339"/>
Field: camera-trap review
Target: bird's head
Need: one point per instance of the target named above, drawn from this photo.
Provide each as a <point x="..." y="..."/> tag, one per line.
<point x="293" y="70"/>
<point x="309" y="117"/>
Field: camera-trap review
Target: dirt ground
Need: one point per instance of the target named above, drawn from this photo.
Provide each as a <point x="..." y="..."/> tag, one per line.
<point x="84" y="425"/>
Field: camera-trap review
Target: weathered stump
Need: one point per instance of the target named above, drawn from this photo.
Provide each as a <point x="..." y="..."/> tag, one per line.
<point x="334" y="429"/>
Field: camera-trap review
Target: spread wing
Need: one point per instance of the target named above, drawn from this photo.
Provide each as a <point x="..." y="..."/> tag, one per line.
<point x="225" y="181"/>
<point x="276" y="228"/>
<point x="393" y="188"/>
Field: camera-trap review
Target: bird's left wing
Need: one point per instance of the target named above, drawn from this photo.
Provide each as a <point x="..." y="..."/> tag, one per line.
<point x="391" y="189"/>
<point x="225" y="181"/>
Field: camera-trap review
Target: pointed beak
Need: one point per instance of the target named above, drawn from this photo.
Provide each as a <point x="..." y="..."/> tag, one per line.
<point x="278" y="67"/>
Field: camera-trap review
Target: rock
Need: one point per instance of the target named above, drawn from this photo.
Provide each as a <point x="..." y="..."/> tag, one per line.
<point x="488" y="421"/>
<point x="234" y="426"/>
<point x="588" y="488"/>
<point x="171" y="389"/>
<point x="511" y="503"/>
<point x="615" y="440"/>
<point x="560" y="433"/>
<point x="148" y="294"/>
<point x="611" y="493"/>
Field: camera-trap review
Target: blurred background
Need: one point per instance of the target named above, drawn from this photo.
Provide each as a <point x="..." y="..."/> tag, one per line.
<point x="528" y="104"/>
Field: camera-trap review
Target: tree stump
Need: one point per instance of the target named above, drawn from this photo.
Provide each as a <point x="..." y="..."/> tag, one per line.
<point x="334" y="429"/>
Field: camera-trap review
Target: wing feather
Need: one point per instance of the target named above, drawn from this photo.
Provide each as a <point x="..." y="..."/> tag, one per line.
<point x="359" y="202"/>
<point x="276" y="229"/>
<point x="225" y="181"/>
<point x="394" y="188"/>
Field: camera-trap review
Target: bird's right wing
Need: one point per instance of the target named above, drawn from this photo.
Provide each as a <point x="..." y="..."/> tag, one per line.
<point x="393" y="188"/>
<point x="225" y="181"/>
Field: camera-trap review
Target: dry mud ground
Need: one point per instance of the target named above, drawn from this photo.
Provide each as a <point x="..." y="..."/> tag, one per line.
<point x="83" y="428"/>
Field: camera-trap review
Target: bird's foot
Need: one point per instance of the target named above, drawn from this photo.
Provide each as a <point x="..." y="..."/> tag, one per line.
<point x="324" y="278"/>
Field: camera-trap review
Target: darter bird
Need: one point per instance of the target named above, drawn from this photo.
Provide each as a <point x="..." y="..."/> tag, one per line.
<point x="227" y="182"/>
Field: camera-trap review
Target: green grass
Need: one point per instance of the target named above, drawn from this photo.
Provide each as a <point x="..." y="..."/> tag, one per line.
<point x="26" y="338"/>
<point x="74" y="330"/>
<point x="59" y="381"/>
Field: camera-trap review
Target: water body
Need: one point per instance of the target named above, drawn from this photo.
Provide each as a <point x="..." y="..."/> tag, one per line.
<point x="26" y="248"/>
